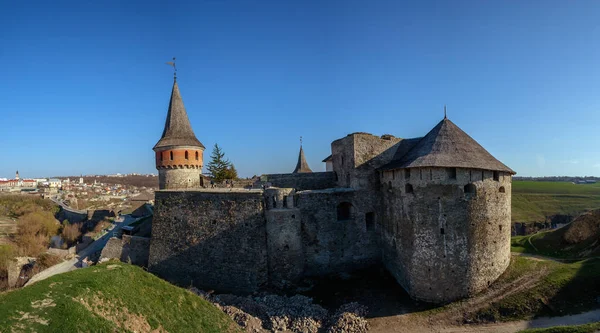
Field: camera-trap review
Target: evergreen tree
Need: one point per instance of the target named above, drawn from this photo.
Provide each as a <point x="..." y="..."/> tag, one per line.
<point x="218" y="166"/>
<point x="231" y="172"/>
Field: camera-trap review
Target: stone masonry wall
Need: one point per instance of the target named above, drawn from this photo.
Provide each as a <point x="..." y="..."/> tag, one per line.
<point x="179" y="178"/>
<point x="303" y="181"/>
<point x="437" y="232"/>
<point x="131" y="249"/>
<point x="210" y="239"/>
<point x="331" y="245"/>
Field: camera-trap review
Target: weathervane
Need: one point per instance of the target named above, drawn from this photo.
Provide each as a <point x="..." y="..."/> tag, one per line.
<point x="445" y="117"/>
<point x="301" y="141"/>
<point x="172" y="63"/>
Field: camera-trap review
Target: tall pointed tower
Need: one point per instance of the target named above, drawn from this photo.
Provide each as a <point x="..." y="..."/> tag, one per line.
<point x="178" y="152"/>
<point x="17" y="175"/>
<point x="302" y="165"/>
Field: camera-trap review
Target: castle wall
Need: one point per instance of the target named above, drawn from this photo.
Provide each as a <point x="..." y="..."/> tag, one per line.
<point x="213" y="239"/>
<point x="331" y="245"/>
<point x="180" y="178"/>
<point x="284" y="237"/>
<point x="357" y="156"/>
<point x="303" y="181"/>
<point x="440" y="233"/>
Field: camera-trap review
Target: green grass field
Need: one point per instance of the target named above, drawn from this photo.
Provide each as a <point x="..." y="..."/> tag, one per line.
<point x="532" y="201"/>
<point x="587" y="328"/>
<point x="111" y="297"/>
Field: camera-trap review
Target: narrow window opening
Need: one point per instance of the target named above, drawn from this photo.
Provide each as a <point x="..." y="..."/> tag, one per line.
<point x="500" y="227"/>
<point x="274" y="203"/>
<point x="470" y="175"/>
<point x="285" y="201"/>
<point x="370" y="220"/>
<point x="186" y="154"/>
<point x="293" y="216"/>
<point x="344" y="211"/>
<point x="451" y="173"/>
<point x="171" y="154"/>
<point x="496" y="176"/>
<point x="348" y="179"/>
<point x="430" y="174"/>
<point x="196" y="156"/>
<point x="501" y="189"/>
<point x="390" y="184"/>
<point x="406" y="173"/>
<point x="420" y="174"/>
<point x="409" y="188"/>
<point x="470" y="188"/>
<point x="442" y="231"/>
<point x="482" y="175"/>
<point x="393" y="174"/>
<point x="161" y="156"/>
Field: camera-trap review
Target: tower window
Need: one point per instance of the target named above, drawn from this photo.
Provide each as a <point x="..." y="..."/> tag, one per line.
<point x="470" y="188"/>
<point x="186" y="154"/>
<point x="370" y="220"/>
<point x="451" y="173"/>
<point x="161" y="156"/>
<point x="196" y="156"/>
<point x="441" y="231"/>
<point x="496" y="176"/>
<point x="171" y="153"/>
<point x="406" y="173"/>
<point x="344" y="211"/>
<point x="501" y="190"/>
<point x="409" y="188"/>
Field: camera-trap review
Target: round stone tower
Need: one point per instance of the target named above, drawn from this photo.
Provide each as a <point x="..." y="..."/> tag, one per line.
<point x="447" y="208"/>
<point x="178" y="152"/>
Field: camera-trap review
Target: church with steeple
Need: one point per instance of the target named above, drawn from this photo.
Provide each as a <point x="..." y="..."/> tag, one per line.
<point x="435" y="211"/>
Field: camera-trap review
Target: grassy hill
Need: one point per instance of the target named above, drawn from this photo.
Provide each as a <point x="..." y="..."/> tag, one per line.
<point x="579" y="239"/>
<point x="532" y="201"/>
<point x="112" y="297"/>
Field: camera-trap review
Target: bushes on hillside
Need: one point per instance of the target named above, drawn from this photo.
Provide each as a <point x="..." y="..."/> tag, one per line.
<point x="71" y="232"/>
<point x="34" y="231"/>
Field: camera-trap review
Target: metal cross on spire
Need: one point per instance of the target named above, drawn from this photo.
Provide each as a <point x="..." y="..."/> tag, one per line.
<point x="172" y="63"/>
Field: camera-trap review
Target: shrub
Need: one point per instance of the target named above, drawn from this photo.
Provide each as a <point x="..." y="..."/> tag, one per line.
<point x="47" y="260"/>
<point x="71" y="232"/>
<point x="7" y="252"/>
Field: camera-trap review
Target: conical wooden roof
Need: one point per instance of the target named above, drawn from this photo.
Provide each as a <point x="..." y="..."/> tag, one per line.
<point x="446" y="145"/>
<point x="178" y="131"/>
<point x="302" y="165"/>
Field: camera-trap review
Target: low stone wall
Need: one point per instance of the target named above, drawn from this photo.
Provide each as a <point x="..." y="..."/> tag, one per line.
<point x="62" y="253"/>
<point x="302" y="181"/>
<point x="131" y="249"/>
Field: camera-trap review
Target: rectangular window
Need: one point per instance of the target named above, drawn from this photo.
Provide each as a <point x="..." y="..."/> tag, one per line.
<point x="496" y="176"/>
<point x="406" y="173"/>
<point x="442" y="231"/>
<point x="451" y="173"/>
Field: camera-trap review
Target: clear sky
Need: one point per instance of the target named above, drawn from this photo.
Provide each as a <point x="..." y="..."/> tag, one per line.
<point x="84" y="87"/>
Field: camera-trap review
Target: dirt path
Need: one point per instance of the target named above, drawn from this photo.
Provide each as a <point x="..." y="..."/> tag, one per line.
<point x="451" y="318"/>
<point x="420" y="325"/>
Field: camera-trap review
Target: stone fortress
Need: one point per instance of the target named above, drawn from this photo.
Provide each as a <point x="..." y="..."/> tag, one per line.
<point x="435" y="211"/>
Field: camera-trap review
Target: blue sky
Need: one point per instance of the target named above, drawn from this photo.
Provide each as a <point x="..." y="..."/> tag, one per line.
<point x="84" y="86"/>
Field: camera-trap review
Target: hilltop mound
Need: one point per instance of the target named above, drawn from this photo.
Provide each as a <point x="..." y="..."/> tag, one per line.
<point x="583" y="228"/>
<point x="112" y="297"/>
<point x="579" y="239"/>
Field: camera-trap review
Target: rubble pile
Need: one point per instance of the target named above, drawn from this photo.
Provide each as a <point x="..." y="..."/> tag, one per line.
<point x="349" y="318"/>
<point x="273" y="313"/>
